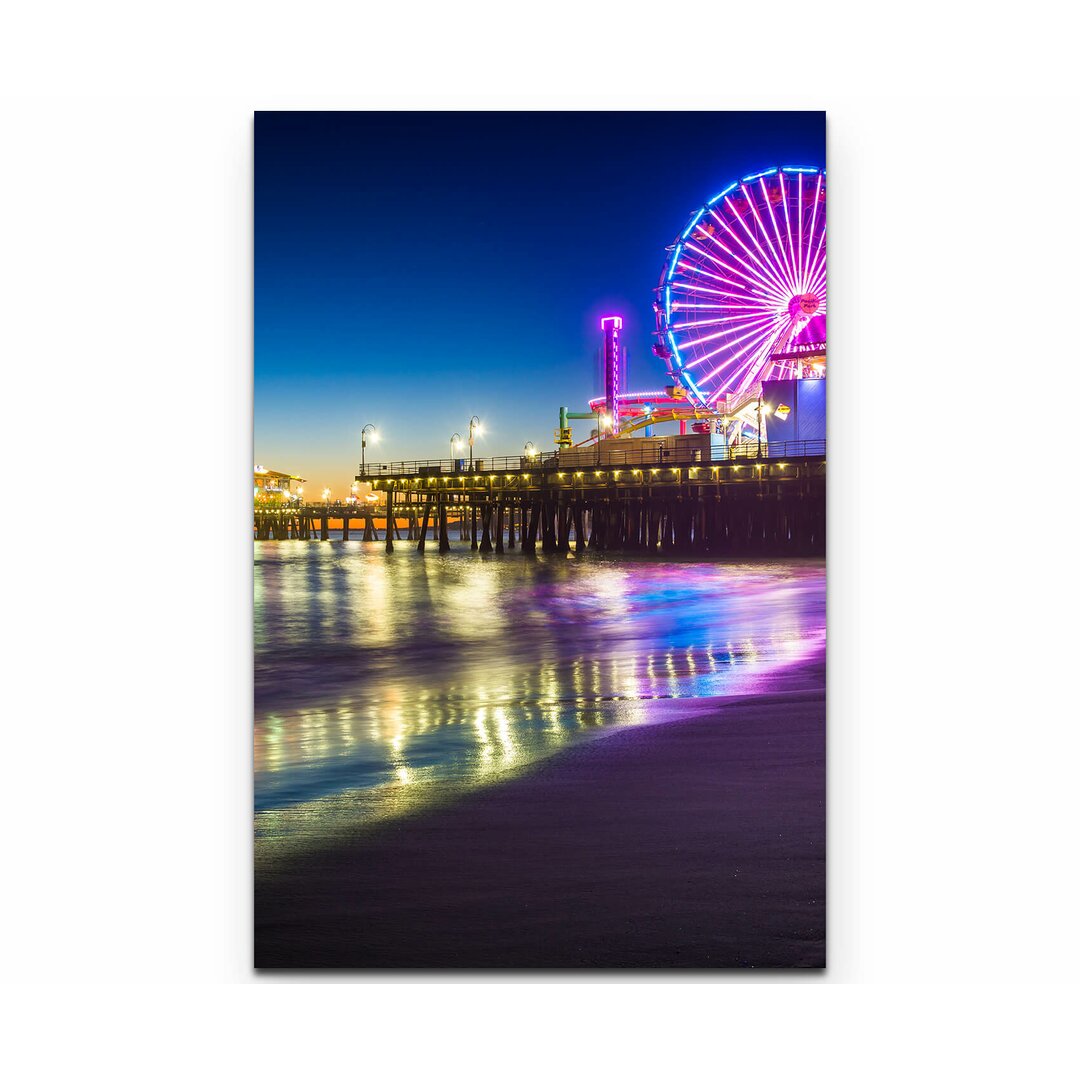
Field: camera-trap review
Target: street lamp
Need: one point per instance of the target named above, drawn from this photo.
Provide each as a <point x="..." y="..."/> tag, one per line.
<point x="363" y="444"/>
<point x="326" y="495"/>
<point x="474" y="430"/>
<point x="455" y="443"/>
<point x="761" y="410"/>
<point x="530" y="449"/>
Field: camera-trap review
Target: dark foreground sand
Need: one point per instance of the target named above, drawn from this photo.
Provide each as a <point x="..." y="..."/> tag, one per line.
<point x="696" y="843"/>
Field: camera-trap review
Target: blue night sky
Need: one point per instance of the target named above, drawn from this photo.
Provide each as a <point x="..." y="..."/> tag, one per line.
<point x="412" y="269"/>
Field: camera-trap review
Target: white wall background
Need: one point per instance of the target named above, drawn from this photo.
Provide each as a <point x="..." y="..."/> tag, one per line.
<point x="125" y="337"/>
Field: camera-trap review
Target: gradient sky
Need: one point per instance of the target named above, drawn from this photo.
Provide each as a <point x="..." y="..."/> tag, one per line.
<point x="412" y="269"/>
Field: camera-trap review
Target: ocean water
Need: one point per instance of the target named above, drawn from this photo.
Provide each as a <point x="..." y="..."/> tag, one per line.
<point x="382" y="681"/>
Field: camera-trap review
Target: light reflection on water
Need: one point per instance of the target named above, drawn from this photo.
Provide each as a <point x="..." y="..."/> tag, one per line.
<point x="383" y="681"/>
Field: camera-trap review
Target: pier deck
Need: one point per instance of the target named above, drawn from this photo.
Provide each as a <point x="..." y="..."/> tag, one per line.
<point x="743" y="504"/>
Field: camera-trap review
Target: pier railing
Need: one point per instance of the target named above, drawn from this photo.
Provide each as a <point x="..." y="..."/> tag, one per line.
<point x="438" y="466"/>
<point x="607" y="455"/>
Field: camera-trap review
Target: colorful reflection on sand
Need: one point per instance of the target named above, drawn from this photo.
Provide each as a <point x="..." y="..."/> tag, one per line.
<point x="382" y="682"/>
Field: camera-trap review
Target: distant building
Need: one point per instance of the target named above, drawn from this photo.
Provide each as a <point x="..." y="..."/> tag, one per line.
<point x="276" y="488"/>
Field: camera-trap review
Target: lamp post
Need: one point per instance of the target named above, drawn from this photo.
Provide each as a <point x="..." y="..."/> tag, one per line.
<point x="363" y="444"/>
<point x="326" y="495"/>
<point x="603" y="422"/>
<point x="762" y="410"/>
<point x="530" y="449"/>
<point x="455" y="443"/>
<point x="723" y="424"/>
<point x="474" y="429"/>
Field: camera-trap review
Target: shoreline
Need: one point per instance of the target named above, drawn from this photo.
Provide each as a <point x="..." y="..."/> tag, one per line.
<point x="695" y="842"/>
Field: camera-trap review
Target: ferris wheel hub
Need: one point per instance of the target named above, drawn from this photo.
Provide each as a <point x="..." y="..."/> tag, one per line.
<point x="804" y="304"/>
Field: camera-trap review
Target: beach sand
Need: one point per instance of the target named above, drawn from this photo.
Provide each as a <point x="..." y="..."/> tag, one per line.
<point x="693" y="843"/>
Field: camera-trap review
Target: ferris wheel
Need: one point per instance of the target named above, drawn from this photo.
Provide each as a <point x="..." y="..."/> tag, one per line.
<point x="742" y="295"/>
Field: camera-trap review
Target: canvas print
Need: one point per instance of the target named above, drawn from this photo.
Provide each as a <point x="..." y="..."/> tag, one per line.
<point x="539" y="540"/>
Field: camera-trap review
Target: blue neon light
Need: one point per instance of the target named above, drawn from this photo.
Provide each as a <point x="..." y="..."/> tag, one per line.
<point x="674" y="261"/>
<point x="727" y="191"/>
<point x="667" y="300"/>
<point x="800" y="170"/>
<point x="697" y="218"/>
<point x="692" y="385"/>
<point x="757" y="176"/>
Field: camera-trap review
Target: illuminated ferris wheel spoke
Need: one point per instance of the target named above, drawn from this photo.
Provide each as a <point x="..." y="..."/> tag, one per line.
<point x="758" y="339"/>
<point x="762" y="280"/>
<point x="722" y="333"/>
<point x="690" y="268"/>
<point x="696" y="287"/>
<point x="774" y="276"/>
<point x="731" y="383"/>
<point x="787" y="221"/>
<point x="732" y="320"/>
<point x="732" y="326"/>
<point x="753" y="335"/>
<point x="776" y="268"/>
<point x="771" y="276"/>
<point x="746" y="375"/>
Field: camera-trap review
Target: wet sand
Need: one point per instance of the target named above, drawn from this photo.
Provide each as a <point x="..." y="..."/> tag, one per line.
<point x="695" y="843"/>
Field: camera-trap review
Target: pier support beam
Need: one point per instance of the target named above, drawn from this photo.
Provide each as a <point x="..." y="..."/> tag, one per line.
<point x="444" y="534"/>
<point x="528" y="539"/>
<point x="547" y="543"/>
<point x="423" y="527"/>
<point x="563" y="526"/>
<point x="485" y="518"/>
<point x="580" y="539"/>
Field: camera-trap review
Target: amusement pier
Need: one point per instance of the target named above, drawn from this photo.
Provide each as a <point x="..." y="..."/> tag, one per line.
<point x="677" y="503"/>
<point x="740" y="327"/>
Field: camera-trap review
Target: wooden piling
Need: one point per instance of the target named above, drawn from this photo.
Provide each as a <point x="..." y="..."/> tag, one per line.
<point x="485" y="518"/>
<point x="424" y="526"/>
<point x="528" y="543"/>
<point x="444" y="535"/>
